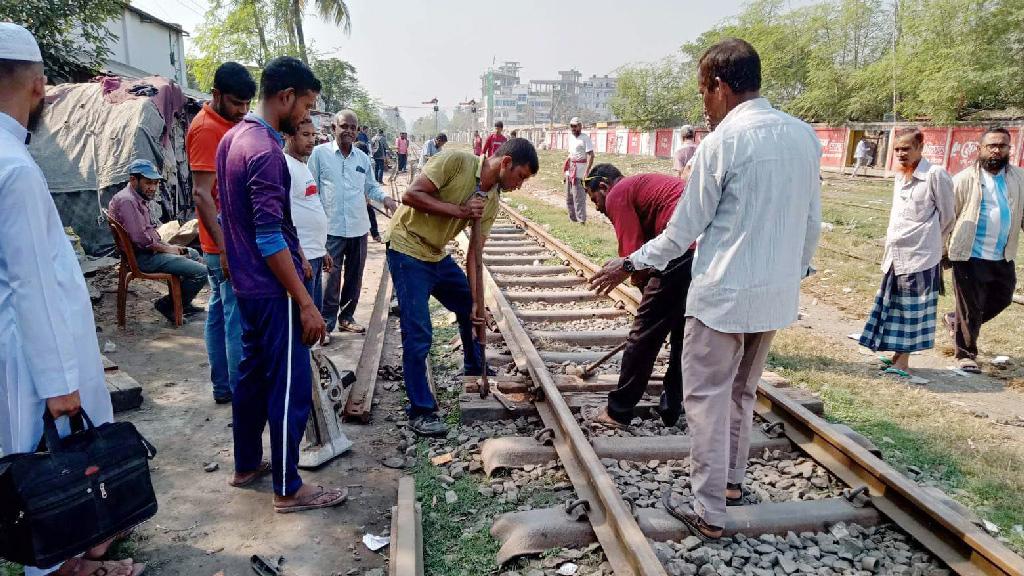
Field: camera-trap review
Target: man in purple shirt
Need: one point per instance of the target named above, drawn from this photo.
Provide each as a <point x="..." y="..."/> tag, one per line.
<point x="130" y="209"/>
<point x="279" y="319"/>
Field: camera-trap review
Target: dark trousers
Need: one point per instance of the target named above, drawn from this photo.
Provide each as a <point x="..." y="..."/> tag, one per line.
<point x="374" y="231"/>
<point x="275" y="388"/>
<point x="190" y="270"/>
<point x="662" y="313"/>
<point x="415" y="282"/>
<point x="341" y="299"/>
<point x="378" y="169"/>
<point x="983" y="289"/>
<point x="402" y="159"/>
<point x="315" y="285"/>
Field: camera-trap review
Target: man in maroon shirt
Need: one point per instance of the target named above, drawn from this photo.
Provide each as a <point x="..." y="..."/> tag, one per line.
<point x="639" y="207"/>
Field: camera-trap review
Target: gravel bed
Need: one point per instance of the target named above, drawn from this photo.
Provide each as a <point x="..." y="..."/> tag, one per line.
<point x="846" y="549"/>
<point x="585" y="325"/>
<point x="776" y="476"/>
<point x="573" y="305"/>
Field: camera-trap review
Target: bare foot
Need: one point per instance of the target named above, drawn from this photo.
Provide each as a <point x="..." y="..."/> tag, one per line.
<point x="83" y="567"/>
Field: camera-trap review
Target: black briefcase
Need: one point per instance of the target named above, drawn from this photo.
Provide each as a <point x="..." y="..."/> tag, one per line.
<point x="74" y="492"/>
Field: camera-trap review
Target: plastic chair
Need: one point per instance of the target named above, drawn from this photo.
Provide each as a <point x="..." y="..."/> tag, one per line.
<point x="128" y="270"/>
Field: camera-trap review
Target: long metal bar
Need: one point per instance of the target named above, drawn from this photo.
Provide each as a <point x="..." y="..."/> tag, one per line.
<point x="625" y="546"/>
<point x="965" y="547"/>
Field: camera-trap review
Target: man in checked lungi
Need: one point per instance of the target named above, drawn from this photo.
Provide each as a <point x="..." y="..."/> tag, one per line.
<point x="903" y="318"/>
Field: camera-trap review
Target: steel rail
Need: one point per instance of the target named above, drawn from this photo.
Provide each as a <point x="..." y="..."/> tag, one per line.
<point x="626" y="296"/>
<point x="963" y="546"/>
<point x="625" y="546"/>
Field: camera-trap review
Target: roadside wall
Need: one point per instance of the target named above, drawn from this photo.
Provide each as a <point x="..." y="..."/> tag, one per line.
<point x="953" y="147"/>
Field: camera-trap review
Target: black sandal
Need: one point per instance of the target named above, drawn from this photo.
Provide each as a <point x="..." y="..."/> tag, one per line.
<point x="695" y="524"/>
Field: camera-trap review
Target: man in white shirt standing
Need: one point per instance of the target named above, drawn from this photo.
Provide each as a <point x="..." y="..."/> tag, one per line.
<point x="577" y="166"/>
<point x="308" y="213"/>
<point x="753" y="198"/>
<point x="49" y="356"/>
<point x="902" y="320"/>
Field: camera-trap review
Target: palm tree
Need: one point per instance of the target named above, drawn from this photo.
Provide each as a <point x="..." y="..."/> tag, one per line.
<point x="333" y="11"/>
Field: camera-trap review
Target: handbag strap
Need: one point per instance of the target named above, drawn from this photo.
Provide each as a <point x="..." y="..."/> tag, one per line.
<point x="51" y="438"/>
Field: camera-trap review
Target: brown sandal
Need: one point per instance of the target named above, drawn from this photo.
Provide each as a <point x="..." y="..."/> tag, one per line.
<point x="249" y="477"/>
<point x="694" y="523"/>
<point x="968" y="365"/>
<point x="322" y="499"/>
<point x="600" y="417"/>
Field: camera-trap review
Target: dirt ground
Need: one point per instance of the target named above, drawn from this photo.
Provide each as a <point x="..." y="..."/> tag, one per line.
<point x="204" y="527"/>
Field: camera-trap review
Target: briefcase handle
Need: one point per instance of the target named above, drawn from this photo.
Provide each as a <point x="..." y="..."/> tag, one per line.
<point x="79" y="423"/>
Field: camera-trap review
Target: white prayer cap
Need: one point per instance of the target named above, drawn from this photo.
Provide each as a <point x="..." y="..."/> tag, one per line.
<point x="17" y="43"/>
<point x="575" y="121"/>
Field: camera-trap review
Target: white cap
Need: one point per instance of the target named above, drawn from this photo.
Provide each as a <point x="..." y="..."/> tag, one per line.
<point x="17" y="43"/>
<point x="575" y="121"/>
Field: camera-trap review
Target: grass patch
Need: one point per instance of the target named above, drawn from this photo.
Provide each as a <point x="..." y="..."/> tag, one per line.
<point x="10" y="569"/>
<point x="596" y="240"/>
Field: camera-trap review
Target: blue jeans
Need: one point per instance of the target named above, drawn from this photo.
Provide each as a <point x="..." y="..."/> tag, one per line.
<point x="188" y="268"/>
<point x="415" y="282"/>
<point x="315" y="285"/>
<point x="223" y="331"/>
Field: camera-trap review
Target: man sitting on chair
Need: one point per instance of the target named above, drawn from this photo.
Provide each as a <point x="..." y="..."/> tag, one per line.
<point x="130" y="209"/>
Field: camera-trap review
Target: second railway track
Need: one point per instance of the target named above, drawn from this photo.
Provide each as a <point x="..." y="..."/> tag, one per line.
<point x="831" y="478"/>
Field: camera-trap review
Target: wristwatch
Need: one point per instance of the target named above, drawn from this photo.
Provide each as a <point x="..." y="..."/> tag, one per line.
<point x="627" y="265"/>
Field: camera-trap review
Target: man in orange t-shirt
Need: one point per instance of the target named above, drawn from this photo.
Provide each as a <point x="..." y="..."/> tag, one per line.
<point x="233" y="90"/>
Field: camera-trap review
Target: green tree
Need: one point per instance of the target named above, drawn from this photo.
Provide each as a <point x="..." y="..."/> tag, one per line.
<point x="340" y="86"/>
<point x="333" y="11"/>
<point x="72" y="35"/>
<point x="654" y="95"/>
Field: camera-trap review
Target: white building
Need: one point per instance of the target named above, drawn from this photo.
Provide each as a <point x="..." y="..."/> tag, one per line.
<point x="146" y="46"/>
<point x="595" y="93"/>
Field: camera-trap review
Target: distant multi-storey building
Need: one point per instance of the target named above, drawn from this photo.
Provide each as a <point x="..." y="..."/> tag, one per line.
<point x="595" y="95"/>
<point x="507" y="98"/>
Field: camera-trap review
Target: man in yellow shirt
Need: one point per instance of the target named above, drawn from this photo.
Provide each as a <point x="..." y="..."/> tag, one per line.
<point x="439" y="204"/>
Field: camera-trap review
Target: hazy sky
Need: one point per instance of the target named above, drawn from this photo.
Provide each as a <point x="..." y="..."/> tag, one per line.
<point x="408" y="51"/>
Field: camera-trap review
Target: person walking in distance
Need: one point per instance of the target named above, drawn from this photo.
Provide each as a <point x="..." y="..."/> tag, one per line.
<point x="989" y="208"/>
<point x="754" y="201"/>
<point x="307" y="210"/>
<point x="233" y="90"/>
<point x="49" y="356"/>
<point x="279" y="319"/>
<point x="344" y="176"/>
<point x="902" y="320"/>
<point x="861" y="156"/>
<point x="439" y="204"/>
<point x="379" y="148"/>
<point x="478" y="143"/>
<point x="402" y="149"/>
<point x="577" y="166"/>
<point x="681" y="159"/>
<point x="639" y="208"/>
<point x="495" y="139"/>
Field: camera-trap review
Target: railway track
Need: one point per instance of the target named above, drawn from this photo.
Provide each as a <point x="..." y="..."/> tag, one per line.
<point x="550" y="325"/>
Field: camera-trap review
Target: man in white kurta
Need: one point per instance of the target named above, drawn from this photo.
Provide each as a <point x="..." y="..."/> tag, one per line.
<point x="577" y="166"/>
<point x="48" y="348"/>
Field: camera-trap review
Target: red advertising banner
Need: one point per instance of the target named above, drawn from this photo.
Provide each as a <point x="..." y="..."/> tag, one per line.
<point x="593" y="139"/>
<point x="610" y="142"/>
<point x="663" y="143"/>
<point x="935" y="145"/>
<point x="1017" y="146"/>
<point x="553" y="140"/>
<point x="633" y="144"/>
<point x="833" y="144"/>
<point x="963" y="149"/>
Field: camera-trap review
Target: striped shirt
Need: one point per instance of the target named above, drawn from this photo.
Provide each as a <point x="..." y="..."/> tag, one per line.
<point x="754" y="199"/>
<point x="993" y="218"/>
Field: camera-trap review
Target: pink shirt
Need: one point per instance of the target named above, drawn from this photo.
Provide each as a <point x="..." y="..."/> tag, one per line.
<point x="402" y="144"/>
